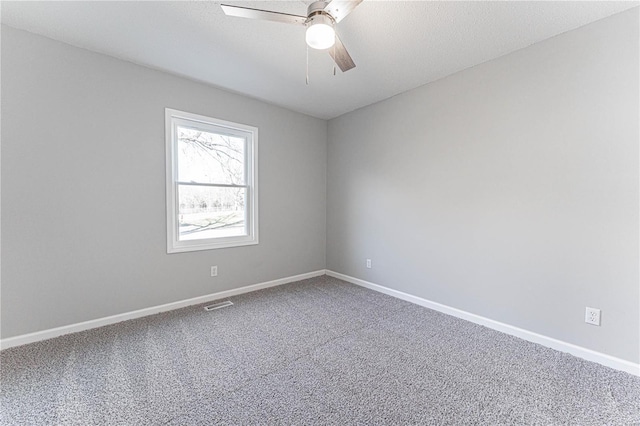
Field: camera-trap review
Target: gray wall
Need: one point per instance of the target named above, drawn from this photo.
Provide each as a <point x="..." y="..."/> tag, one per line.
<point x="83" y="188"/>
<point x="509" y="190"/>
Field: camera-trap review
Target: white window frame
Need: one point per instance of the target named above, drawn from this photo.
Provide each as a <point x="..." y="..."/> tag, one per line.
<point x="174" y="118"/>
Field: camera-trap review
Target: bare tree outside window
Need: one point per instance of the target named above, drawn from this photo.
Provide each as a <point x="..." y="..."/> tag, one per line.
<point x="210" y="158"/>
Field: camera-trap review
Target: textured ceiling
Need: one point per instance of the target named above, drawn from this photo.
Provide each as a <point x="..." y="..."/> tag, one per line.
<point x="396" y="45"/>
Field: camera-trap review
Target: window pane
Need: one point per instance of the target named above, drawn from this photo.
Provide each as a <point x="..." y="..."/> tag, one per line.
<point x="206" y="157"/>
<point x="209" y="212"/>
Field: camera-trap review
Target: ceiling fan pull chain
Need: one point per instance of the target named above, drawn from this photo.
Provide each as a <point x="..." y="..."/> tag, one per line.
<point x="334" y="55"/>
<point x="307" y="79"/>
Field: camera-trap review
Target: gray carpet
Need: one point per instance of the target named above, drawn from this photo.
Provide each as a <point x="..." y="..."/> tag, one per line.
<point x="319" y="351"/>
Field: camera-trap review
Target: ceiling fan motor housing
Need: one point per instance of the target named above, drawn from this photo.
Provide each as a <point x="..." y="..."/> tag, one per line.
<point x="318" y="6"/>
<point x="316" y="14"/>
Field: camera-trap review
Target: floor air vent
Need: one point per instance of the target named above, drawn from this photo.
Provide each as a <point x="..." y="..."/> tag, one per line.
<point x="218" y="305"/>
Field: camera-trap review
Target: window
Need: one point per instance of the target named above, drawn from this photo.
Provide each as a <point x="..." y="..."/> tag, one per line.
<point x="212" y="192"/>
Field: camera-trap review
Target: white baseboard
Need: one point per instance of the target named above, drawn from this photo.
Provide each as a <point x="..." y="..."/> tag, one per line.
<point x="579" y="351"/>
<point x="86" y="325"/>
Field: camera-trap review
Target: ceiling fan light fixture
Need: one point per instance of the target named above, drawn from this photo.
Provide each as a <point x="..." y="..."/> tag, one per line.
<point x="320" y="33"/>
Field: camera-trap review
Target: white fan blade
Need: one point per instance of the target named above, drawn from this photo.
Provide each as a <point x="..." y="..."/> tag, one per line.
<point x="246" y="12"/>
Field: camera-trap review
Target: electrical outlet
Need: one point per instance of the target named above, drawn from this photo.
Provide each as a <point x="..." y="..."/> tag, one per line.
<point x="592" y="316"/>
<point x="214" y="271"/>
<point x="369" y="263"/>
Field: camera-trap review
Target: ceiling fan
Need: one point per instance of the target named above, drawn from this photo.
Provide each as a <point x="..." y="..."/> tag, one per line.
<point x="322" y="16"/>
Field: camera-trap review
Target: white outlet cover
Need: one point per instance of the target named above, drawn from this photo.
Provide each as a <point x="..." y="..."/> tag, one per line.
<point x="214" y="271"/>
<point x="592" y="316"/>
